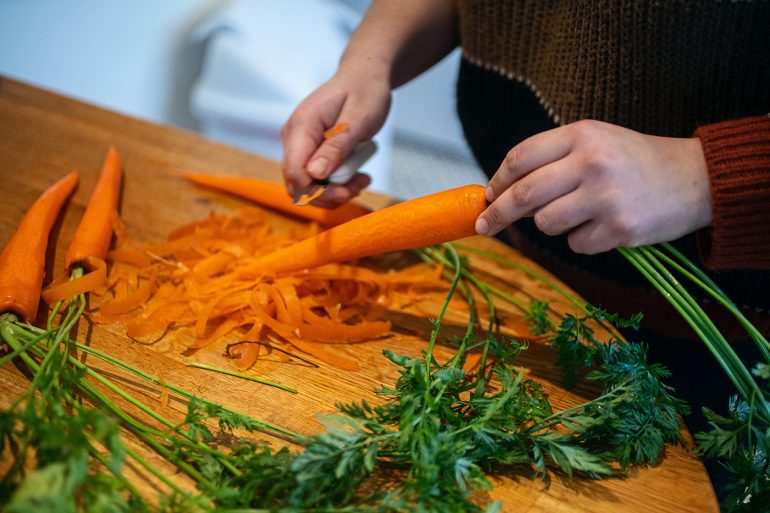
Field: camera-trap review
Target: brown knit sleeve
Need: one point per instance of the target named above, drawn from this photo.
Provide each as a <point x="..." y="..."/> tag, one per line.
<point x="738" y="158"/>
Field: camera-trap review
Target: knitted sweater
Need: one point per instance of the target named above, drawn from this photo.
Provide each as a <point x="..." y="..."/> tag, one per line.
<point x="677" y="68"/>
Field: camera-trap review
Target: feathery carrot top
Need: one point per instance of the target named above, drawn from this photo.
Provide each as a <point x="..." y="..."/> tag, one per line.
<point x="22" y="262"/>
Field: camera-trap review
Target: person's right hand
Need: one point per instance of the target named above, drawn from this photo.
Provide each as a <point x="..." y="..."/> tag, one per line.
<point x="359" y="100"/>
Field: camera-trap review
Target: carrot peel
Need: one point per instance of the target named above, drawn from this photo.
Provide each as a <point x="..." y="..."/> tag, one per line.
<point x="86" y="283"/>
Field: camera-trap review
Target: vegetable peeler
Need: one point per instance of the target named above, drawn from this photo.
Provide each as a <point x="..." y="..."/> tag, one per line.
<point x="342" y="174"/>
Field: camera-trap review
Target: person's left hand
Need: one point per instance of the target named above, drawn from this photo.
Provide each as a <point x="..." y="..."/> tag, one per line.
<point x="607" y="186"/>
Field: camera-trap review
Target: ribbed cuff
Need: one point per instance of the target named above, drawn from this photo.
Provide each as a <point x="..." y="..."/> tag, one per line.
<point x="738" y="159"/>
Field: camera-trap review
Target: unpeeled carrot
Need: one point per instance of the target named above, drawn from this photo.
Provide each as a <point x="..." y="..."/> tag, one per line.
<point x="424" y="221"/>
<point x="273" y="195"/>
<point x="22" y="262"/>
<point x="92" y="238"/>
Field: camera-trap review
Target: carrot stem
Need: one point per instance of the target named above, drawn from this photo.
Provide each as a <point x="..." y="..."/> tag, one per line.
<point x="242" y="376"/>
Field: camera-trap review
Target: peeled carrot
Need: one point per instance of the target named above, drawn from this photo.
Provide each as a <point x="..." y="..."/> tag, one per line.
<point x="92" y="238"/>
<point x="22" y="262"/>
<point x="273" y="195"/>
<point x="432" y="219"/>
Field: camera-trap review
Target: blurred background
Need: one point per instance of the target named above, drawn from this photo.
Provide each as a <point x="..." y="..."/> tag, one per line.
<point x="233" y="70"/>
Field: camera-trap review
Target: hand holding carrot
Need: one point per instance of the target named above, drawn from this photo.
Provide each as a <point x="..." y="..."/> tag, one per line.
<point x="606" y="186"/>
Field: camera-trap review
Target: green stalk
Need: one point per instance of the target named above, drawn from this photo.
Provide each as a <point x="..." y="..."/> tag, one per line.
<point x="149" y="411"/>
<point x="141" y="430"/>
<point x="558" y="417"/>
<point x="510" y="263"/>
<point x="650" y="267"/>
<point x="694" y="320"/>
<point x="22" y="349"/>
<point x="155" y="472"/>
<point x="242" y="376"/>
<point x="182" y="392"/>
<point x="542" y="279"/>
<point x="444" y="306"/>
<point x="7" y="332"/>
<point x="721" y="343"/>
<point x="699" y="278"/>
<point x="479" y="284"/>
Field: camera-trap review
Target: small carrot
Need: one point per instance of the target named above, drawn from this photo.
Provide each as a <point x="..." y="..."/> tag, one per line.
<point x="339" y="128"/>
<point x="92" y="238"/>
<point x="273" y="195"/>
<point x="22" y="262"/>
<point x="432" y="219"/>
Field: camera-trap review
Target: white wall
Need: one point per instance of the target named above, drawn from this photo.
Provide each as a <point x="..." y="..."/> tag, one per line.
<point x="130" y="56"/>
<point x="136" y="57"/>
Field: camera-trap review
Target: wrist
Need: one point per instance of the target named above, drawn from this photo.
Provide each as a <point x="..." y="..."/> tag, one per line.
<point x="696" y="163"/>
<point x="366" y="65"/>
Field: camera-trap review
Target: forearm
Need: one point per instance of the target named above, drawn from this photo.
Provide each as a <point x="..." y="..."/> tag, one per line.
<point x="399" y="39"/>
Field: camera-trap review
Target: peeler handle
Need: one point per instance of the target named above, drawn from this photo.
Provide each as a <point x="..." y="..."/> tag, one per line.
<point x="353" y="163"/>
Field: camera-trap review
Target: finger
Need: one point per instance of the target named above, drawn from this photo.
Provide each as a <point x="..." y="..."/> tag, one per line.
<point x="563" y="214"/>
<point x="528" y="195"/>
<point x="333" y="151"/>
<point x="532" y="153"/>
<point x="591" y="238"/>
<point x="337" y="194"/>
<point x="300" y="137"/>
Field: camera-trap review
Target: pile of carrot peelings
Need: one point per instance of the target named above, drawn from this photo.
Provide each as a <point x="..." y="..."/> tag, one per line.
<point x="204" y="287"/>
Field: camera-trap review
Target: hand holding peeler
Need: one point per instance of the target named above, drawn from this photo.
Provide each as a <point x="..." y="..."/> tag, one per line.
<point x="342" y="174"/>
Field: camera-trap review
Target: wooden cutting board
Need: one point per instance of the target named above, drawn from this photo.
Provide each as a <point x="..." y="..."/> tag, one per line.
<point x="43" y="136"/>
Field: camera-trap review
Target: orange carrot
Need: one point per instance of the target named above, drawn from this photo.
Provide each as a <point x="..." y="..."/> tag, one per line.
<point x="339" y="128"/>
<point x="92" y="238"/>
<point x="432" y="219"/>
<point x="273" y="195"/>
<point x="22" y="262"/>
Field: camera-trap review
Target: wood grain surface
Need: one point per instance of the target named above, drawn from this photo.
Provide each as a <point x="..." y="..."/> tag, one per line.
<point x="43" y="136"/>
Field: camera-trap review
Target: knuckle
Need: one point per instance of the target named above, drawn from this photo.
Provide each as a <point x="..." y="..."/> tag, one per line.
<point x="545" y="223"/>
<point x="512" y="158"/>
<point x="599" y="159"/>
<point x="551" y="224"/>
<point x="521" y="193"/>
<point x="585" y="243"/>
<point x="625" y="230"/>
<point x="577" y="242"/>
<point x="495" y="216"/>
<point x="585" y="128"/>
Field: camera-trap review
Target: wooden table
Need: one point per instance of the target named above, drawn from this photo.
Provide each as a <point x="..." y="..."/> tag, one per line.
<point x="43" y="136"/>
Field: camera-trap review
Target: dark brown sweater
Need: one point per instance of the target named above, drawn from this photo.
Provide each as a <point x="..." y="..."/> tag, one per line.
<point x="672" y="68"/>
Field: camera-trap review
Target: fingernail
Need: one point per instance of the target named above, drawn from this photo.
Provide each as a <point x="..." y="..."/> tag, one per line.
<point x="482" y="227"/>
<point x="318" y="167"/>
<point x="490" y="194"/>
